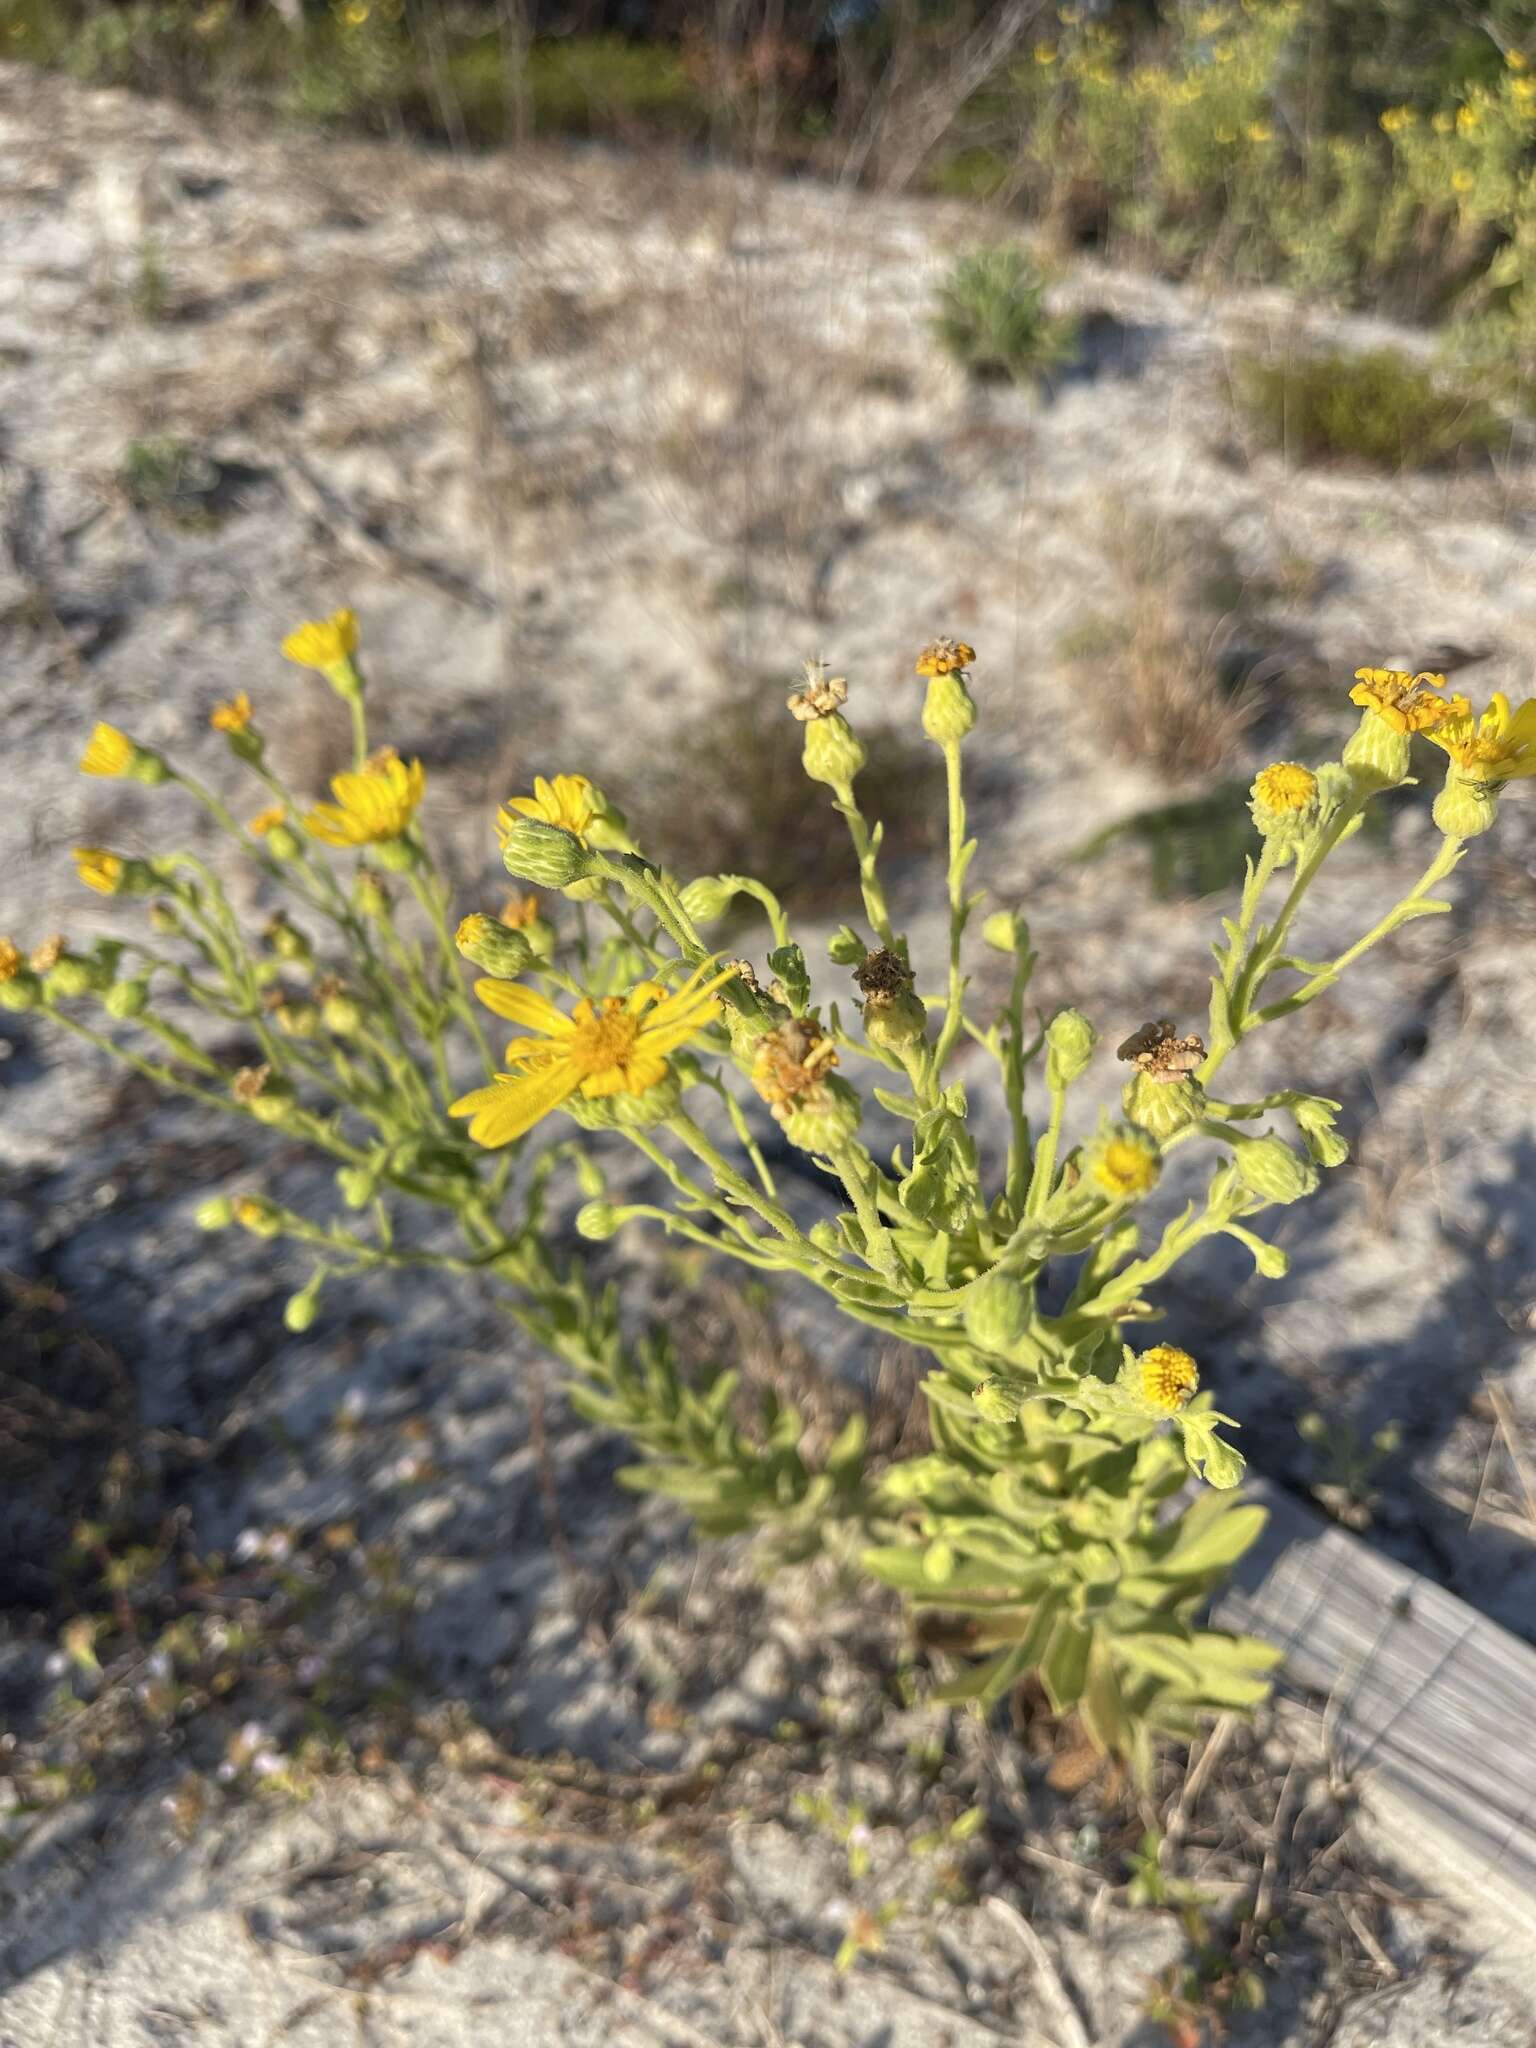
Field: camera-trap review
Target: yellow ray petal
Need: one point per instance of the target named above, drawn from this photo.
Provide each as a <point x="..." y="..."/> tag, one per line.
<point x="525" y="1006"/>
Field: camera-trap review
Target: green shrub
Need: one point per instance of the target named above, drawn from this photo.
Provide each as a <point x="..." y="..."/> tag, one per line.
<point x="1380" y="408"/>
<point x="993" y="319"/>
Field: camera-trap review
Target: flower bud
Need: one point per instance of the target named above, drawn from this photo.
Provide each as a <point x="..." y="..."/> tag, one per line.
<point x="1163" y="1107"/>
<point x="1376" y="754"/>
<point x="298" y="1018"/>
<point x="283" y="843"/>
<point x="949" y="712"/>
<point x="997" y="1310"/>
<point x="1314" y="1116"/>
<point x="371" y="895"/>
<point x="125" y="999"/>
<point x="597" y="1221"/>
<point x="1164" y="1378"/>
<point x="302" y="1308"/>
<point x="501" y="951"/>
<point x="356" y="1185"/>
<point x="824" y="1119"/>
<point x="1463" y="808"/>
<point x="546" y="854"/>
<point x="341" y="1013"/>
<point x="257" y="1215"/>
<point x="708" y="897"/>
<point x="833" y="752"/>
<point x="288" y="942"/>
<point x="216" y="1213"/>
<point x="609" y="829"/>
<point x="654" y="1106"/>
<point x="1070" y="1040"/>
<point x="71" y="977"/>
<point x="996" y="1402"/>
<point x="1284" y="803"/>
<point x="1273" y="1170"/>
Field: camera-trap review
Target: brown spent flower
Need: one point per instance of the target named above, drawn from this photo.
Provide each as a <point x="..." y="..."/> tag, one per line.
<point x="250" y="1082"/>
<point x="1157" y="1053"/>
<point x="790" y="1064"/>
<point x="746" y="974"/>
<point x="48" y="954"/>
<point x="944" y="657"/>
<point x="884" y="976"/>
<point x="520" y="910"/>
<point x="821" y="696"/>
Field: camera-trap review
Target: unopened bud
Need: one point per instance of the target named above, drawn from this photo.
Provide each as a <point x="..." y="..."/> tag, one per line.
<point x="257" y="1215"/>
<point x="1070" y="1040"/>
<point x="1376" y="754"/>
<point x="1006" y="931"/>
<point x="597" y="1221"/>
<point x="949" y="713"/>
<point x="708" y="897"/>
<point x="356" y="1185"/>
<point x="497" y="947"/>
<point x="1273" y="1170"/>
<point x="833" y="752"/>
<point x="301" y="1309"/>
<point x="996" y="1402"/>
<point x="997" y="1310"/>
<point x="546" y="854"/>
<point x="1463" y="808"/>
<point x="288" y="942"/>
<point x="824" y="1119"/>
<point x="216" y="1213"/>
<point x="126" y="999"/>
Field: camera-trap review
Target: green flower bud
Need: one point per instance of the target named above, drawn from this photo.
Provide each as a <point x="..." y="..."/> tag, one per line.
<point x="895" y="1022"/>
<point x="356" y="1185"/>
<point x="499" y="948"/>
<point x="342" y="1014"/>
<point x="1463" y="809"/>
<point x="257" y="1215"/>
<point x="126" y="999"/>
<point x="282" y="842"/>
<point x="948" y="710"/>
<point x="302" y="1308"/>
<point x="1163" y="1107"/>
<point x="997" y="1310"/>
<point x="826" y="1237"/>
<point x="1006" y="932"/>
<point x="216" y="1213"/>
<point x="996" y="1402"/>
<point x="833" y="751"/>
<point x="546" y="854"/>
<point x="370" y="895"/>
<point x="592" y="1112"/>
<point x="273" y="1105"/>
<point x="1273" y="1170"/>
<point x="23" y="991"/>
<point x="288" y="942"/>
<point x="71" y="977"/>
<point x="825" y="1119"/>
<point x="397" y="855"/>
<point x="597" y="1221"/>
<point x="1376" y="754"/>
<point x="1069" y="1040"/>
<point x="609" y="829"/>
<point x="148" y="767"/>
<point x="299" y="1019"/>
<point x="708" y="897"/>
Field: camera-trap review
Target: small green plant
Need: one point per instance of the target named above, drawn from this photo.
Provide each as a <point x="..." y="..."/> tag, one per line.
<point x="991" y="315"/>
<point x="1345" y="1465"/>
<point x="168" y="478"/>
<point x="1049" y="1523"/>
<point x="1380" y="408"/>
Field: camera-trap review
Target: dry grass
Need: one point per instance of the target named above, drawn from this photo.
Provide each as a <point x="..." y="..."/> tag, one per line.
<point x="1161" y="663"/>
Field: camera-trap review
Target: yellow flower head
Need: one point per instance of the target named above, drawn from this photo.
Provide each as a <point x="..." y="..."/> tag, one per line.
<point x="1406" y="703"/>
<point x="1467" y="119"/>
<point x="616" y="1046"/>
<point x="1124" y="1163"/>
<point x="323" y="644"/>
<point x="374" y="803"/>
<point x="234" y="716"/>
<point x="1396" y="119"/>
<point x="1286" y="786"/>
<point x="108" y="752"/>
<point x="1524" y="90"/>
<point x="1516" y="60"/>
<point x="99" y="870"/>
<point x="1260" y="131"/>
<point x="1167" y="1377"/>
<point x="943" y="657"/>
<point x="11" y="961"/>
<point x="1462" y="181"/>
<point x="266" y="821"/>
<point x="1498" y="747"/>
<point x="1045" y="53"/>
<point x="567" y="802"/>
<point x="520" y="910"/>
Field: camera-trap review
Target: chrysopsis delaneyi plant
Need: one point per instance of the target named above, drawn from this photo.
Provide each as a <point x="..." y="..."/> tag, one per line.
<point x="1055" y="1511"/>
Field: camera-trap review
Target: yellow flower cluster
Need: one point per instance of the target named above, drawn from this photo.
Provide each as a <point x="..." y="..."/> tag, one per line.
<point x="373" y="804"/>
<point x="1498" y="747"/>
<point x="1407" y="703"/>
<point x="99" y="870"/>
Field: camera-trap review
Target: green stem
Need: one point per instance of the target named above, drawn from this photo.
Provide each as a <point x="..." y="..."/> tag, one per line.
<point x="867" y="853"/>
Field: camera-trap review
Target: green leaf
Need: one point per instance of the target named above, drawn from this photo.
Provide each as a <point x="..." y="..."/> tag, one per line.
<point x="1211" y="1544"/>
<point x="899" y="1105"/>
<point x="1064" y="1667"/>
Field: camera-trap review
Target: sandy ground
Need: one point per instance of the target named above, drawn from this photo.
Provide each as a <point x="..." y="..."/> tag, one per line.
<point x="588" y="443"/>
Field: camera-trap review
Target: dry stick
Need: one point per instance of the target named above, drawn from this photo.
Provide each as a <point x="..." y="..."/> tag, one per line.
<point x="549" y="1495"/>
<point x="1054" y="1996"/>
<point x="1505" y="1417"/>
<point x="1264" y="1897"/>
<point x="1369" y="1943"/>
<point x="1194" y="1785"/>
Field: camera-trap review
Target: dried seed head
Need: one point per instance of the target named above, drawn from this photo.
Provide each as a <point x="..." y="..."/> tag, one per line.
<point x="1156" y="1052"/>
<point x="819" y="696"/>
<point x="791" y="1063"/>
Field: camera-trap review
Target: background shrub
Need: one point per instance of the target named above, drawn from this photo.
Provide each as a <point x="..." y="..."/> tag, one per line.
<point x="993" y="319"/>
<point x="1380" y="408"/>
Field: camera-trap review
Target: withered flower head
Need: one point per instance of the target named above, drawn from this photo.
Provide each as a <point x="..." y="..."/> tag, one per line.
<point x="48" y="954"/>
<point x="1157" y="1053"/>
<point x="791" y="1063"/>
<point x="944" y="657"/>
<point x="883" y="976"/>
<point x="249" y="1083"/>
<point x="821" y="695"/>
<point x="746" y="973"/>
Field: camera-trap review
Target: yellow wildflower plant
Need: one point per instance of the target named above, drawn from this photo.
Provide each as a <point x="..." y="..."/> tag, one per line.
<point x="233" y="717"/>
<point x="99" y="869"/>
<point x="617" y="1045"/>
<point x="323" y="644"/>
<point x="374" y="804"/>
<point x="1407" y="703"/>
<point x="1167" y="1377"/>
<point x="108" y="752"/>
<point x="569" y="802"/>
<point x="1496" y="748"/>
